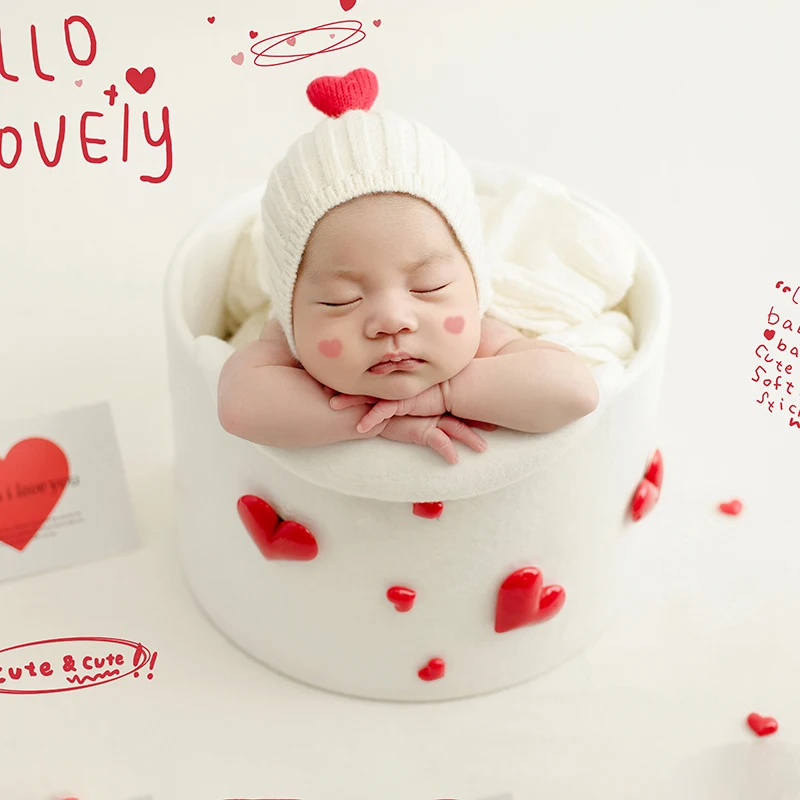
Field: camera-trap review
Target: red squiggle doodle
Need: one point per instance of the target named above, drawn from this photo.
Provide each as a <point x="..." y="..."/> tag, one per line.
<point x="278" y="39"/>
<point x="55" y="664"/>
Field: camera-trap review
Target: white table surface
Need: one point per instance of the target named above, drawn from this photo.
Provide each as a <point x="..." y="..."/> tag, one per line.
<point x="683" y="119"/>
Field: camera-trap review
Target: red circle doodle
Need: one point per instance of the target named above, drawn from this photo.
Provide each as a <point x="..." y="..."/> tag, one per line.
<point x="278" y="39"/>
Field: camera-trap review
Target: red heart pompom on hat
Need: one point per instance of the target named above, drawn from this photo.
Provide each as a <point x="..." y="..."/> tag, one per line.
<point x="333" y="95"/>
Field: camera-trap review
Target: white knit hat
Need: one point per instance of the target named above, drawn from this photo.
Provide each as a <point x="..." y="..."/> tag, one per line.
<point x="353" y="152"/>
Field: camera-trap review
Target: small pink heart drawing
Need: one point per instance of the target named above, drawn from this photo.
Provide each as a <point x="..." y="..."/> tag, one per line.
<point x="376" y="23"/>
<point x="333" y="36"/>
<point x="292" y="42"/>
<point x="238" y="59"/>
<point x="347" y="4"/>
<point x="79" y="83"/>
<point x="454" y="324"/>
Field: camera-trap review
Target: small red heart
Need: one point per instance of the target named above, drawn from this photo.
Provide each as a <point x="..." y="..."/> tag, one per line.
<point x="292" y="42"/>
<point x="333" y="95"/>
<point x="769" y="334"/>
<point x="140" y="81"/>
<point x="37" y="470"/>
<point x="433" y="670"/>
<point x="287" y="541"/>
<point x="763" y="726"/>
<point x="428" y="510"/>
<point x="733" y="507"/>
<point x="253" y="34"/>
<point x="376" y="23"/>
<point x="333" y="35"/>
<point x="524" y="600"/>
<point x="347" y="4"/>
<point x="79" y="83"/>
<point x="402" y="598"/>
<point x="655" y="470"/>
<point x="645" y="497"/>
<point x="211" y="20"/>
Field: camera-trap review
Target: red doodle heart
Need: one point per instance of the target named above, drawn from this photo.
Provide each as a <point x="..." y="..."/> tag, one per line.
<point x="433" y="670"/>
<point x="347" y="4"/>
<point x="376" y="23"/>
<point x="238" y="59"/>
<point x="645" y="497"/>
<point x="211" y="20"/>
<point x="428" y="510"/>
<point x="140" y="81"/>
<point x="253" y="34"/>
<point x="655" y="470"/>
<point x="333" y="95"/>
<point x="769" y="334"/>
<point x="402" y="597"/>
<point x="79" y="83"/>
<point x="292" y="42"/>
<point x="732" y="507"/>
<point x="277" y="540"/>
<point x="524" y="600"/>
<point x="763" y="726"/>
<point x="332" y="35"/>
<point x="36" y="470"/>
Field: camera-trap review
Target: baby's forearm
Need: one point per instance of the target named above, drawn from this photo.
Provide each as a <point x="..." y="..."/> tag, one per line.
<point x="283" y="406"/>
<point x="535" y="390"/>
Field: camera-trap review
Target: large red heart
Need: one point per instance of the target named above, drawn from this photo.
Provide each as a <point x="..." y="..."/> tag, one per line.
<point x="141" y="81"/>
<point x="277" y="540"/>
<point x="333" y="95"/>
<point x="524" y="600"/>
<point x="33" y="476"/>
<point x="763" y="726"/>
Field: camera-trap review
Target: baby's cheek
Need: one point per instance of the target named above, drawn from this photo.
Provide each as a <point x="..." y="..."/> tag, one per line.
<point x="454" y="324"/>
<point x="330" y="348"/>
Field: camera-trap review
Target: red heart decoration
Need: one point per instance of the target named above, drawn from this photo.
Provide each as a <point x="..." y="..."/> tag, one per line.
<point x="28" y="470"/>
<point x="655" y="470"/>
<point x="402" y="598"/>
<point x="347" y="4"/>
<point x="292" y="42"/>
<point x="277" y="540"/>
<point x="524" y="600"/>
<point x="428" y="510"/>
<point x="769" y="334"/>
<point x="253" y="34"/>
<point x="376" y="23"/>
<point x="333" y="95"/>
<point x="211" y="20"/>
<point x="140" y="81"/>
<point x="763" y="726"/>
<point x="433" y="670"/>
<point x="732" y="507"/>
<point x="645" y="497"/>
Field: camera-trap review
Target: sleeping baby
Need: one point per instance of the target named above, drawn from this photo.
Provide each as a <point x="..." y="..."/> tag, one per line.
<point x="379" y="289"/>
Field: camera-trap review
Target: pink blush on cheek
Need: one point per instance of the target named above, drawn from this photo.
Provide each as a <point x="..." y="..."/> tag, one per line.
<point x="330" y="347"/>
<point x="454" y="324"/>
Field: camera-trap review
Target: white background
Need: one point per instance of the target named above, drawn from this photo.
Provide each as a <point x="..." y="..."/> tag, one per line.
<point x="680" y="117"/>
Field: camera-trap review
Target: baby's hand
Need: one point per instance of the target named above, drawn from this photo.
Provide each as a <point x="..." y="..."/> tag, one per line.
<point x="429" y="403"/>
<point x="438" y="432"/>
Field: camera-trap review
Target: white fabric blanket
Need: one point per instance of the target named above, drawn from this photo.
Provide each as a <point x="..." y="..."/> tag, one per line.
<point x="561" y="268"/>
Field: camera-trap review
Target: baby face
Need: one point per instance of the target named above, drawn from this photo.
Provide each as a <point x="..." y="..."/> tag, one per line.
<point x="383" y="276"/>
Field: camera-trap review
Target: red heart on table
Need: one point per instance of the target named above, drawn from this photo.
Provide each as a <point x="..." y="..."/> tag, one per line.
<point x="428" y="510"/>
<point x="433" y="670"/>
<point x="524" y="600"/>
<point x="644" y="498"/>
<point x="347" y="4"/>
<point x="34" y="472"/>
<point x="769" y="334"/>
<point x="733" y="507"/>
<point x="140" y="81"/>
<point x="402" y="597"/>
<point x="763" y="726"/>
<point x="277" y="540"/>
<point x="333" y="95"/>
<point x="655" y="470"/>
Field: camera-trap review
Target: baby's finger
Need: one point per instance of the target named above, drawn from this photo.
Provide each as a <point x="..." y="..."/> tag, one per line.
<point x="377" y="414"/>
<point x="440" y="442"/>
<point x="484" y="426"/>
<point x="457" y="430"/>
<point x="341" y="401"/>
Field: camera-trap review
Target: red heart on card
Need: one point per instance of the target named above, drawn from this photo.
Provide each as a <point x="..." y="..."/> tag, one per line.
<point x="277" y="540"/>
<point x="347" y="4"/>
<point x="210" y="20"/>
<point x="524" y="600"/>
<point x="433" y="670"/>
<point x="33" y="476"/>
<point x="763" y="726"/>
<point x="644" y="498"/>
<point x="333" y="95"/>
<point x="402" y="597"/>
<point x="141" y="81"/>
<point x="769" y="334"/>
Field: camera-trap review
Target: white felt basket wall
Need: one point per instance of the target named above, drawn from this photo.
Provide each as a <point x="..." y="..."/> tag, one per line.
<point x="557" y="502"/>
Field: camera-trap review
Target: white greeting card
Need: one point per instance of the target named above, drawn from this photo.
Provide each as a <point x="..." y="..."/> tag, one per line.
<point x="63" y="494"/>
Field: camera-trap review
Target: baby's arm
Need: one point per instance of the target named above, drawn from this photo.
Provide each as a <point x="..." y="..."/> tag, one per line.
<point x="522" y="383"/>
<point x="266" y="397"/>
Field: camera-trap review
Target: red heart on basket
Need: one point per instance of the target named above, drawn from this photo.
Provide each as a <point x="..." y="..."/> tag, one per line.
<point x="433" y="670"/>
<point x="276" y="539"/>
<point x="644" y="498"/>
<point x="655" y="470"/>
<point x="402" y="597"/>
<point x="732" y="507"/>
<point x="333" y="95"/>
<point x="524" y="600"/>
<point x="36" y="470"/>
<point x="141" y="81"/>
<point x="428" y="510"/>
<point x="763" y="726"/>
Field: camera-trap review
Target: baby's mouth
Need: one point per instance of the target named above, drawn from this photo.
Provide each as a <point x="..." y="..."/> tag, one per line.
<point x="404" y="364"/>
